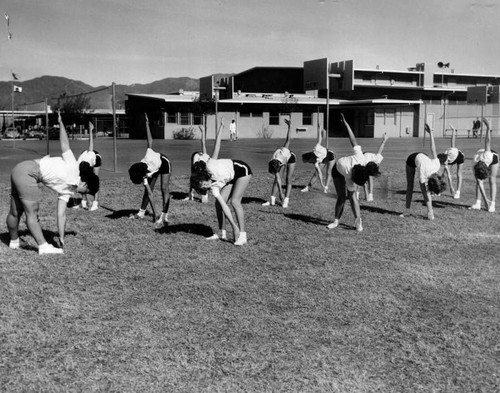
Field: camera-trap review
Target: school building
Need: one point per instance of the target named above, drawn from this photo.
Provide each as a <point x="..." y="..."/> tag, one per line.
<point x="374" y="101"/>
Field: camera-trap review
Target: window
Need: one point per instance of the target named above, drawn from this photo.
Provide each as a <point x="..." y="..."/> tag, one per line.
<point x="274" y="118"/>
<point x="185" y="119"/>
<point x="172" y="118"/>
<point x="245" y="113"/>
<point x="307" y="119"/>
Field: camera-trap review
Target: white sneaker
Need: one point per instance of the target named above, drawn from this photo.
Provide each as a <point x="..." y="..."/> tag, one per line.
<point x="491" y="208"/>
<point x="204" y="198"/>
<point x="456" y="195"/>
<point x="305" y="189"/>
<point x="215" y="236"/>
<point x="285" y="203"/>
<point x="476" y="206"/>
<point x="430" y="215"/>
<point x="50" y="249"/>
<point x="325" y="190"/>
<point x="266" y="203"/>
<point x="137" y="216"/>
<point x="94" y="207"/>
<point x="333" y="225"/>
<point x="369" y="198"/>
<point x="160" y="224"/>
<point x="358" y="224"/>
<point x="242" y="239"/>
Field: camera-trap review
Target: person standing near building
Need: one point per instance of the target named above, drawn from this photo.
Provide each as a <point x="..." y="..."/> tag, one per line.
<point x="232" y="131"/>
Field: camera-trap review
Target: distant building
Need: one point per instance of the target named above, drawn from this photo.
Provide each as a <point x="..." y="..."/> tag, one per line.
<point x="374" y="101"/>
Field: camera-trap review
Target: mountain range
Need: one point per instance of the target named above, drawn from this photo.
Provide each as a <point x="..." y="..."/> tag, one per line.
<point x="52" y="87"/>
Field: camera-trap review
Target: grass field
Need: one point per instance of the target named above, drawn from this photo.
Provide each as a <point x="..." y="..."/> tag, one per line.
<point x="407" y="305"/>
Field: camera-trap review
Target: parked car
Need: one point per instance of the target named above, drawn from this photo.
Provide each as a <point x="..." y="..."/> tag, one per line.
<point x="11" y="133"/>
<point x="39" y="134"/>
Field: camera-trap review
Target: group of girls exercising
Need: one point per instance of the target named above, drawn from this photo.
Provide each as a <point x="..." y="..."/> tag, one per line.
<point x="228" y="179"/>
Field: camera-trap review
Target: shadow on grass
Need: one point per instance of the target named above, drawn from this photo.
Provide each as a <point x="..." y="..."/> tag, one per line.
<point x="115" y="214"/>
<point x="195" y="229"/>
<point x="177" y="195"/>
<point x="374" y="209"/>
<point x="442" y="204"/>
<point x="308" y="219"/>
<point x="248" y="200"/>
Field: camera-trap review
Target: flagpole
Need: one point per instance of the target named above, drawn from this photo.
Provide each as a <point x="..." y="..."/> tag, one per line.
<point x="13" y="122"/>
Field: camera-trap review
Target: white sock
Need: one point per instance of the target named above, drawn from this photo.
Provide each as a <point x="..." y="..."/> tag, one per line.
<point x="84" y="203"/>
<point x="164" y="216"/>
<point x="243" y="235"/>
<point x="14" y="243"/>
<point x="95" y="203"/>
<point x="141" y="213"/>
<point x="223" y="234"/>
<point x="273" y="199"/>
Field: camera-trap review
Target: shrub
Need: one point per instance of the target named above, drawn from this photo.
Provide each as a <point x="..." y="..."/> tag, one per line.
<point x="184" y="133"/>
<point x="265" y="132"/>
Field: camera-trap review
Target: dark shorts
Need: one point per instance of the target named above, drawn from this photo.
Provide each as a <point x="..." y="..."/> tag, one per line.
<point x="495" y="158"/>
<point x="98" y="159"/>
<point x="459" y="160"/>
<point x="241" y="169"/>
<point x="293" y="158"/>
<point x="410" y="161"/>
<point x="24" y="181"/>
<point x="330" y="156"/>
<point x="335" y="173"/>
<point x="165" y="167"/>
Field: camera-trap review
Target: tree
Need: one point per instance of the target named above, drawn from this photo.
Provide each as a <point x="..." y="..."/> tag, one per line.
<point x="73" y="104"/>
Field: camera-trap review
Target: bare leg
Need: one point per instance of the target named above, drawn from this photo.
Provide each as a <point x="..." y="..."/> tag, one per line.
<point x="289" y="173"/>
<point x="340" y="189"/>
<point x="14" y="216"/>
<point x="236" y="196"/>
<point x="31" y="208"/>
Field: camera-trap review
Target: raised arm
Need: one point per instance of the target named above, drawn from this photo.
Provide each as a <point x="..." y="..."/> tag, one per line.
<point x="218" y="137"/>
<point x="384" y="139"/>
<point x="453" y="135"/>
<point x="91" y="136"/>
<point x="320" y="135"/>
<point x="487" y="140"/>
<point x="203" y="139"/>
<point x="433" y="143"/>
<point x="287" y="140"/>
<point x="352" y="138"/>
<point x="63" y="135"/>
<point x="148" y="132"/>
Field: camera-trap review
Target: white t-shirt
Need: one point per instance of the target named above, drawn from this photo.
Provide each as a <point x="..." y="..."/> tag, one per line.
<point x="232" y="127"/>
<point x="282" y="155"/>
<point x="60" y="174"/>
<point x="485" y="156"/>
<point x="222" y="171"/>
<point x="88" y="156"/>
<point x="372" y="157"/>
<point x="426" y="166"/>
<point x="153" y="160"/>
<point x="320" y="152"/>
<point x="345" y="165"/>
<point x="451" y="154"/>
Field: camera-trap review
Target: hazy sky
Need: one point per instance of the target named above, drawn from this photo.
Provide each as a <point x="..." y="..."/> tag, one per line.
<point x="139" y="41"/>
